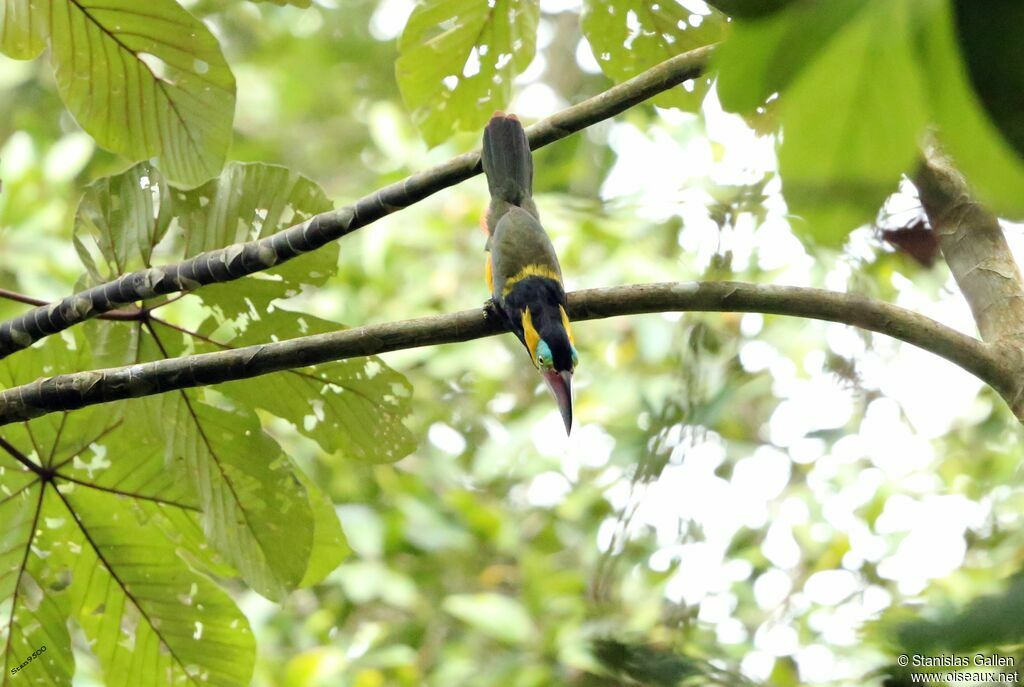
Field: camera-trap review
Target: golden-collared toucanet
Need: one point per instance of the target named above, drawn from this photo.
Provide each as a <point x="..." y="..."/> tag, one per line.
<point x="522" y="269"/>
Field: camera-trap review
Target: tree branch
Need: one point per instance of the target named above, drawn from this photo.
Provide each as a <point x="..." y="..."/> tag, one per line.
<point x="974" y="247"/>
<point x="242" y="259"/>
<point x="69" y="391"/>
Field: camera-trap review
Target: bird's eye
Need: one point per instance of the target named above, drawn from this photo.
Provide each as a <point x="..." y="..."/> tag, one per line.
<point x="575" y="358"/>
<point x="544" y="359"/>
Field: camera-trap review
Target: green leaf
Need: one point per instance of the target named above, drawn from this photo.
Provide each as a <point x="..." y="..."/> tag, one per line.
<point x="122" y="218"/>
<point x="150" y="619"/>
<point x="130" y="462"/>
<point x="852" y="120"/>
<point x="979" y="149"/>
<point x="55" y="438"/>
<point x="91" y="543"/>
<point x="762" y="57"/>
<point x="330" y="547"/>
<point x="457" y="60"/>
<point x="628" y="37"/>
<point x="31" y="614"/>
<point x="989" y="620"/>
<point x="129" y="459"/>
<point x="256" y="513"/>
<point x="989" y="37"/>
<point x="354" y="406"/>
<point x="145" y="80"/>
<point x="112" y="343"/>
<point x="749" y="9"/>
<point x="23" y="28"/>
<point x="14" y="476"/>
<point x="495" y="615"/>
<point x="648" y="664"/>
<point x="254" y="200"/>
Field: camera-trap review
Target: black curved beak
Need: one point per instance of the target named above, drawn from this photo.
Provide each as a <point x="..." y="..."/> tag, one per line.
<point x="560" y="384"/>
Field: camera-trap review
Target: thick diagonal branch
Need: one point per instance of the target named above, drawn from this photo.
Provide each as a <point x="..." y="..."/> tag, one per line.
<point x="242" y="259"/>
<point x="69" y="391"/>
<point x="974" y="247"/>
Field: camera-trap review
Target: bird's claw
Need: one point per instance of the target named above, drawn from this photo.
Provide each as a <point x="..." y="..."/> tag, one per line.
<point x="493" y="313"/>
<point x="491" y="310"/>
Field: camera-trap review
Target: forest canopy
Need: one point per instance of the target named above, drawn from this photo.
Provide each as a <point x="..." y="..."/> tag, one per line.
<point x="256" y="427"/>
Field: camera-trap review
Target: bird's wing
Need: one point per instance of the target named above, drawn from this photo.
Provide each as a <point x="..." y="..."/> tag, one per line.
<point x="519" y="246"/>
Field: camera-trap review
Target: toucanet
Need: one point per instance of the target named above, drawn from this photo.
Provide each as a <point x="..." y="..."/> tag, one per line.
<point x="522" y="269"/>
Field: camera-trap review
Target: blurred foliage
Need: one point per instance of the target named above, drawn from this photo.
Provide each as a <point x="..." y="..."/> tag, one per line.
<point x="457" y="60"/>
<point x="628" y="37"/>
<point x="993" y="61"/>
<point x="744" y="499"/>
<point x="860" y="80"/>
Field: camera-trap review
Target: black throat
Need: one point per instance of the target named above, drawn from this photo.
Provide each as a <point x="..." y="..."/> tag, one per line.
<point x="544" y="297"/>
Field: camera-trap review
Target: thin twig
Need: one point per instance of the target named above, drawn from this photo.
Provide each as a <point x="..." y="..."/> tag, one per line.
<point x="122" y="315"/>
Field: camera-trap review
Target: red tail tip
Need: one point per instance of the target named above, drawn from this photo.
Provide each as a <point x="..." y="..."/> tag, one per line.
<point x="498" y="114"/>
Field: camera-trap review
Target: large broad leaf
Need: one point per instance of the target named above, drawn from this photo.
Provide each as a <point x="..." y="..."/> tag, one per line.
<point x="144" y="79"/>
<point x="84" y="537"/>
<point x="628" y="37"/>
<point x="33" y="609"/>
<point x="330" y="547"/>
<point x="457" y="59"/>
<point x="762" y="57"/>
<point x="150" y="619"/>
<point x="253" y="200"/>
<point x="52" y="439"/>
<point x="122" y="218"/>
<point x="989" y="37"/>
<point x="852" y="122"/>
<point x="23" y="28"/>
<point x="852" y="103"/>
<point x="353" y="406"/>
<point x="256" y="513"/>
<point x="978" y="147"/>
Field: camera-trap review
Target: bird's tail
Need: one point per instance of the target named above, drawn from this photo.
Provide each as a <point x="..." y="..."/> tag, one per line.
<point x="508" y="163"/>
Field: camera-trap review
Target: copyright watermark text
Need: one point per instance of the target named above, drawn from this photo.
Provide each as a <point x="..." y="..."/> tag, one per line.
<point x="969" y="668"/>
<point x="35" y="654"/>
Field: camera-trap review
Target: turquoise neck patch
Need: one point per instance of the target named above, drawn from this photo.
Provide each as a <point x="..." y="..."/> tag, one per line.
<point x="544" y="360"/>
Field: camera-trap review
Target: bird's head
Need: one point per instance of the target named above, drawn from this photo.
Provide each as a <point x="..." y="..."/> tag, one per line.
<point x="548" y="337"/>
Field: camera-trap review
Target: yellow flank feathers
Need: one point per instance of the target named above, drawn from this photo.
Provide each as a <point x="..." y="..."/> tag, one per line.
<point x="489" y="274"/>
<point x="530" y="271"/>
<point x="565" y="323"/>
<point x="530" y="335"/>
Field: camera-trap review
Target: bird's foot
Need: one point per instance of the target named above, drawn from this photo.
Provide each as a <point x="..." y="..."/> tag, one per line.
<point x="491" y="310"/>
<point x="494" y="313"/>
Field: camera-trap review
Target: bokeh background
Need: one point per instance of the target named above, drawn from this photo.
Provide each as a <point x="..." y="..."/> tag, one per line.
<point x="761" y="496"/>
